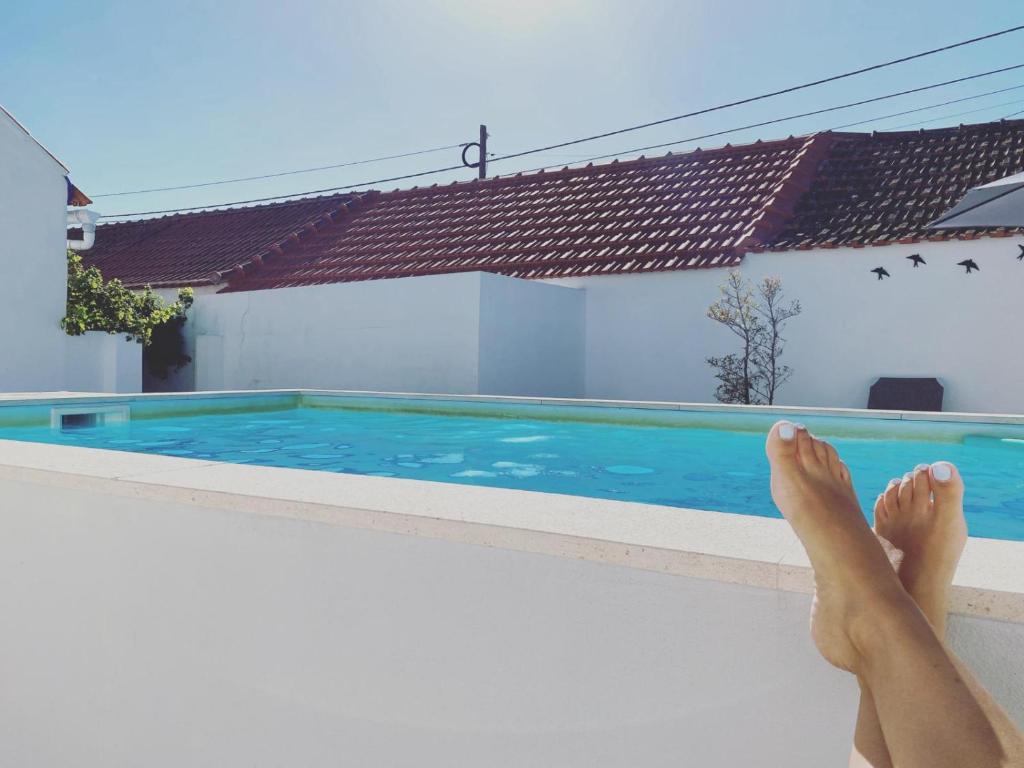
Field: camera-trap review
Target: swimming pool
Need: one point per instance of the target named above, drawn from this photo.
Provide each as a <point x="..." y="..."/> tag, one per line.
<point x="702" y="460"/>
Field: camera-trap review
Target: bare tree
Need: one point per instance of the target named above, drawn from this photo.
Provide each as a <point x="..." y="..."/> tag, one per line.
<point x="774" y="313"/>
<point x="753" y="375"/>
<point x="736" y="309"/>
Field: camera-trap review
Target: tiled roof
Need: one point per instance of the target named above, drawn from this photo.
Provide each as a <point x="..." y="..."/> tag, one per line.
<point x="76" y="197"/>
<point x="199" y="248"/>
<point x="881" y="188"/>
<point x="701" y="209"/>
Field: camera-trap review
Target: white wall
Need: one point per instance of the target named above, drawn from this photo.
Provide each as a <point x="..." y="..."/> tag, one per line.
<point x="466" y="333"/>
<point x="642" y="337"/>
<point x="33" y="270"/>
<point x="531" y="338"/>
<point x="140" y="632"/>
<point x="103" y="362"/>
<point x="647" y="336"/>
<point x="418" y="333"/>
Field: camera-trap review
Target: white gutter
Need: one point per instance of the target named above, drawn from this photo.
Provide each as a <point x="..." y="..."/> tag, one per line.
<point x="86" y="219"/>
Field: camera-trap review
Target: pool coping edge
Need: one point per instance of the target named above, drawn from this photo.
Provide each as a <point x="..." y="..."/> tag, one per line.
<point x="738" y="549"/>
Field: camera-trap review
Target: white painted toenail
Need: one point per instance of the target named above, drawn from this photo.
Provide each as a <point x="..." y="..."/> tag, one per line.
<point x="908" y="477"/>
<point x="798" y="425"/>
<point x="942" y="471"/>
<point x="787" y="431"/>
<point x="921" y="466"/>
<point x="894" y="481"/>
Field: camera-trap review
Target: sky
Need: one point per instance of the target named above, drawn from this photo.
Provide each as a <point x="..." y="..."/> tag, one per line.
<point x="142" y="94"/>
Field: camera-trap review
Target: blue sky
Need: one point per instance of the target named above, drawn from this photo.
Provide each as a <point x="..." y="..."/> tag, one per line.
<point x="141" y="94"/>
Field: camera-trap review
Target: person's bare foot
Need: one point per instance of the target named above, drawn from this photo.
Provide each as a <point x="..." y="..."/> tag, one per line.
<point x="854" y="584"/>
<point x="922" y="515"/>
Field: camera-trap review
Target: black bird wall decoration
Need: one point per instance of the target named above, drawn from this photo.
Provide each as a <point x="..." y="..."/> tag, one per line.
<point x="880" y="271"/>
<point x="1020" y="256"/>
<point x="969" y="265"/>
<point x="916" y="258"/>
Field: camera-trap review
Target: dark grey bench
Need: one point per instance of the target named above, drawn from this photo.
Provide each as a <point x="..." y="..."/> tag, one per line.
<point x="896" y="394"/>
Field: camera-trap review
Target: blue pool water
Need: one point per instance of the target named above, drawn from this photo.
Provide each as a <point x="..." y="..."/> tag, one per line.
<point x="712" y="469"/>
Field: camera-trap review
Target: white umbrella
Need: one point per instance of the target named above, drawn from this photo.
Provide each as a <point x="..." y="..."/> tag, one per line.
<point x="998" y="204"/>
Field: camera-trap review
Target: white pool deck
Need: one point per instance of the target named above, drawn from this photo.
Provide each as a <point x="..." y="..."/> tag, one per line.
<point x="737" y="549"/>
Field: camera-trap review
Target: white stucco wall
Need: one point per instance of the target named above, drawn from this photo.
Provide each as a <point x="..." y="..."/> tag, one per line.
<point x="464" y="333"/>
<point x="394" y="334"/>
<point x="647" y="336"/>
<point x="636" y="337"/>
<point x="103" y="362"/>
<point x="531" y="338"/>
<point x="145" y="632"/>
<point x="33" y="271"/>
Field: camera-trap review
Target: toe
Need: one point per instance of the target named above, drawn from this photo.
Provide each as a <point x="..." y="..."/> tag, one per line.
<point x="881" y="515"/>
<point x="805" y="447"/>
<point x="905" y="493"/>
<point x="820" y="448"/>
<point x="922" y="488"/>
<point x="844" y="474"/>
<point x="891" y="498"/>
<point x="832" y="459"/>
<point x="781" y="445"/>
<point x="947" y="486"/>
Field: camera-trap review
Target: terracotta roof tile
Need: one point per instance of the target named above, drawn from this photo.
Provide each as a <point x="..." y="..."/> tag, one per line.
<point x="883" y="188"/>
<point x="704" y="208"/>
<point x="700" y="209"/>
<point x="200" y="248"/>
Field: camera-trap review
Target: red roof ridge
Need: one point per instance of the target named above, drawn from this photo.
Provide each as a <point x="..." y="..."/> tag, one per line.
<point x="291" y="243"/>
<point x="215" y="210"/>
<point x="882" y="188"/>
<point x="779" y="206"/>
<point x="947" y="130"/>
<point x="615" y="165"/>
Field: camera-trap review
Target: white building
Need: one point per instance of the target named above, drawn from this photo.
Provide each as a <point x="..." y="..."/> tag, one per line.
<point x="33" y="196"/>
<point x="37" y="355"/>
<point x="370" y="291"/>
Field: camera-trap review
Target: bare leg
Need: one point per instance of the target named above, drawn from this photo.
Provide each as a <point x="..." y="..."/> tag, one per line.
<point x="864" y="621"/>
<point x="931" y="535"/>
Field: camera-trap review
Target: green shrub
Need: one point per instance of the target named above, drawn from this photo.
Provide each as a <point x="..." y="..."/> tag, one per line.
<point x="95" y="304"/>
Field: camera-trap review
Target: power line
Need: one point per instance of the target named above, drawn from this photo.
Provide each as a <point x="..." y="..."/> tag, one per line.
<point x="614" y="154"/>
<point x="539" y="150"/>
<point x="645" y="125"/>
<point x="751" y="99"/>
<point x="281" y="197"/>
<point x="773" y="121"/>
<point x="956" y="114"/>
<point x="622" y="152"/>
<point x="279" y="174"/>
<point x="923" y="109"/>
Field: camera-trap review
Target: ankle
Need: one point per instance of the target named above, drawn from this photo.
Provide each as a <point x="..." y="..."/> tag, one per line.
<point x="875" y="629"/>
